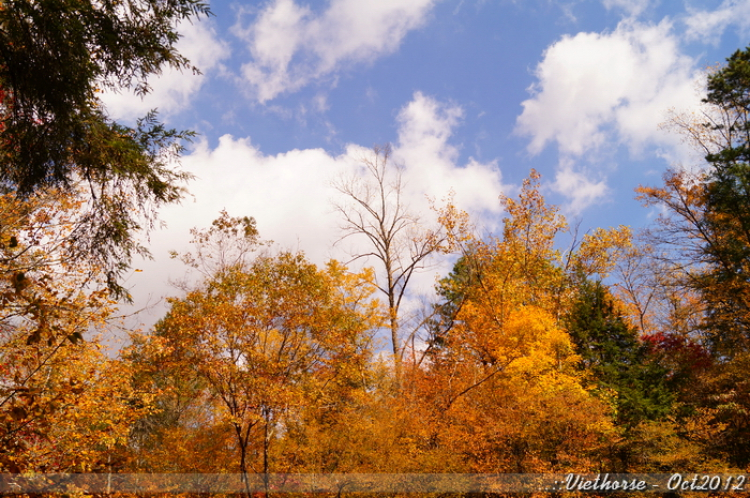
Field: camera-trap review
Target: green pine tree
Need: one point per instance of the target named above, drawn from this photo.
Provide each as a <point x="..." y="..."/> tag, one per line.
<point x="618" y="361"/>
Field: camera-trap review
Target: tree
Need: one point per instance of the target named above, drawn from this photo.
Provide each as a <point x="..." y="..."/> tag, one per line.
<point x="728" y="205"/>
<point x="502" y="369"/>
<point x="64" y="406"/>
<point x="707" y="221"/>
<point x="497" y="276"/>
<point x="507" y="393"/>
<point x="523" y="267"/>
<point x="620" y="363"/>
<point x="267" y="336"/>
<point x="181" y="427"/>
<point x="704" y="236"/>
<point x="374" y="207"/>
<point x="54" y="58"/>
<point x="75" y="187"/>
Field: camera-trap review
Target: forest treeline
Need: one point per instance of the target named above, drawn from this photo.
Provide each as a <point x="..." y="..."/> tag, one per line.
<point x="606" y="352"/>
<point x="527" y="363"/>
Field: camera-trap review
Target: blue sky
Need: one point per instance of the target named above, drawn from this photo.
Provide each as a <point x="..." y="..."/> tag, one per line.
<point x="471" y="93"/>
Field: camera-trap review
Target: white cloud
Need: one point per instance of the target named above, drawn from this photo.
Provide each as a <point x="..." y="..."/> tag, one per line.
<point x="426" y="126"/>
<point x="173" y="90"/>
<point x="578" y="187"/>
<point x="625" y="80"/>
<point x="708" y="26"/>
<point x="604" y="89"/>
<point x="292" y="46"/>
<point x="290" y="194"/>
<point x="630" y="7"/>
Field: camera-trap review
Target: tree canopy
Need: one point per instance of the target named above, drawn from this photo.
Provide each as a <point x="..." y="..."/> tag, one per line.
<point x="55" y="57"/>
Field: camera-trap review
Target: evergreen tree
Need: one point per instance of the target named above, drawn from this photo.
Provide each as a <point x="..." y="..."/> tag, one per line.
<point x="725" y="284"/>
<point x="619" y="361"/>
<point x="55" y="56"/>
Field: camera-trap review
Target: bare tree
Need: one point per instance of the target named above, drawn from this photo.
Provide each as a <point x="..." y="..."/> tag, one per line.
<point x="374" y="207"/>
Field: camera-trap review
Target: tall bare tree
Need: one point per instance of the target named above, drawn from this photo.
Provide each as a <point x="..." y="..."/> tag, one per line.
<point x="373" y="206"/>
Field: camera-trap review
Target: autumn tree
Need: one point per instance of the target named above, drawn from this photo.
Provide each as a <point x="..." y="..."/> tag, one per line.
<point x="502" y="367"/>
<point x="703" y="232"/>
<point x="524" y="265"/>
<point x="166" y="439"/>
<point x="268" y="335"/>
<point x="506" y="391"/>
<point x="703" y="237"/>
<point x="64" y="406"/>
<point x="356" y="425"/>
<point x="725" y="285"/>
<point x="374" y="209"/>
<point x="55" y="57"/>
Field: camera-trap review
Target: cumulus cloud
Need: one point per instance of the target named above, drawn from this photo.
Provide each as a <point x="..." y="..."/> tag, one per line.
<point x="291" y="194"/>
<point x="292" y="46"/>
<point x="596" y="89"/>
<point x="172" y="91"/>
<point x="425" y="127"/>
<point x="625" y="80"/>
<point x="708" y="26"/>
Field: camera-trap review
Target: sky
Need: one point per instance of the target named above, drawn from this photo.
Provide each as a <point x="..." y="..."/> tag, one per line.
<point x="471" y="95"/>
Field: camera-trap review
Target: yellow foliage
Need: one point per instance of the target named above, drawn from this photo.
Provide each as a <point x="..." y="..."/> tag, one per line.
<point x="270" y="337"/>
<point x="63" y="404"/>
<point x="503" y="380"/>
<point x="600" y="251"/>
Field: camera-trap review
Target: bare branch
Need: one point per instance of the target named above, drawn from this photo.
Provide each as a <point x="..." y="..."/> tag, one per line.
<point x="373" y="206"/>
